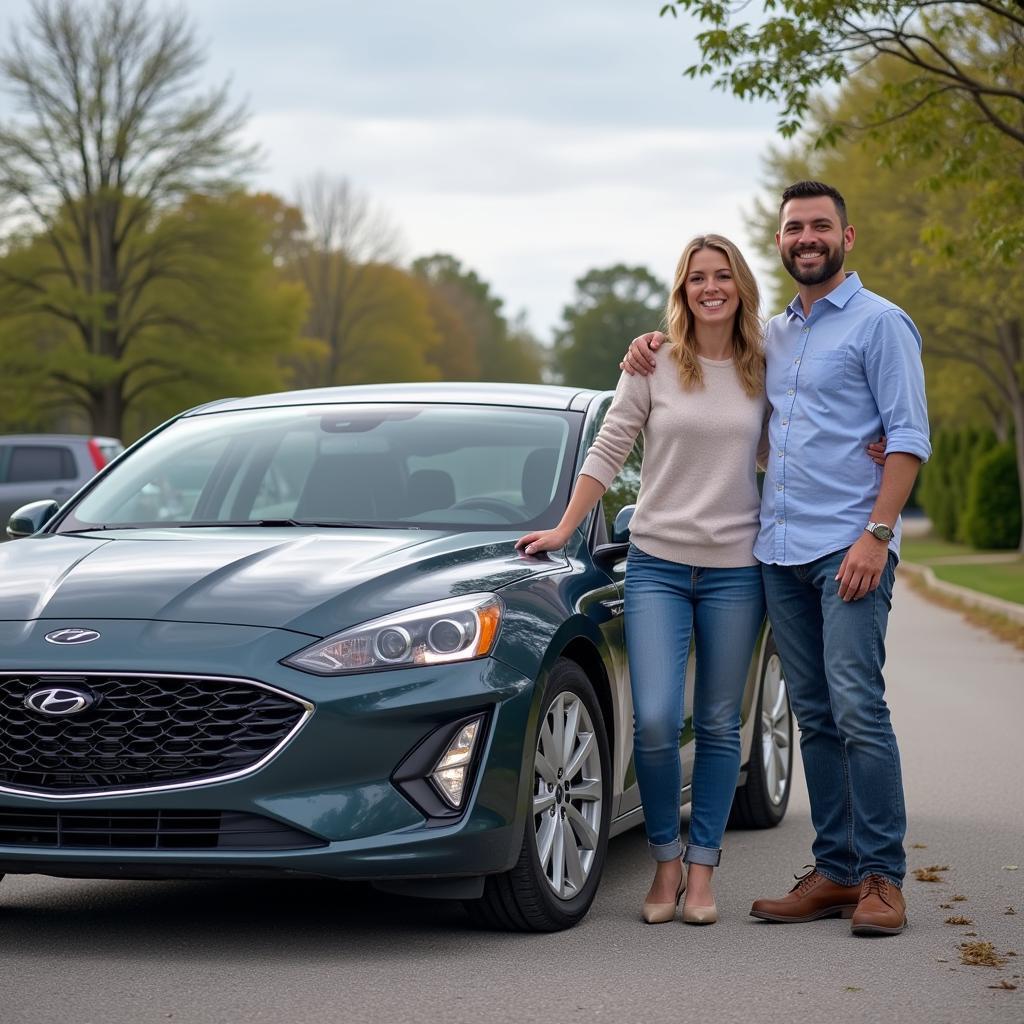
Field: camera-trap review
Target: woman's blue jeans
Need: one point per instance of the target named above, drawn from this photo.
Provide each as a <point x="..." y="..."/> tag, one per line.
<point x="667" y="603"/>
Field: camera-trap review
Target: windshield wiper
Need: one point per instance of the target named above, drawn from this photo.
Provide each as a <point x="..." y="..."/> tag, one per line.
<point x="210" y="524"/>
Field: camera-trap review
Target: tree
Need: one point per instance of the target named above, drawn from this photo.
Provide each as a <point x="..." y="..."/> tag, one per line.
<point x="496" y="351"/>
<point x="611" y="307"/>
<point x="219" y="320"/>
<point x="958" y="91"/>
<point x="111" y="135"/>
<point x="337" y="256"/>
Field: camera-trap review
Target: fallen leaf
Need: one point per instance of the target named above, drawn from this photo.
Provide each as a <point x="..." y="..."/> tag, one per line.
<point x="1005" y="985"/>
<point x="852" y="988"/>
<point x="945" y="906"/>
<point x="940" y="960"/>
<point x="957" y="898"/>
<point x="1010" y="911"/>
<point x="980" y="954"/>
<point x="959" y="920"/>
<point x="1009" y="867"/>
<point x="970" y="933"/>
<point x="930" y="874"/>
<point x="918" y="846"/>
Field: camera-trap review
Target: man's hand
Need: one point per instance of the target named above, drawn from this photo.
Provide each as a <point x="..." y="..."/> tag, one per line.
<point x="640" y="356"/>
<point x="862" y="567"/>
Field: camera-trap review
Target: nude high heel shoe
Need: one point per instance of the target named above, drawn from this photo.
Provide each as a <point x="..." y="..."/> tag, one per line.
<point x="700" y="915"/>
<point x="660" y="913"/>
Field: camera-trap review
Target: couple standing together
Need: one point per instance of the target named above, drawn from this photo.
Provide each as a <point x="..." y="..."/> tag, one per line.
<point x="805" y="399"/>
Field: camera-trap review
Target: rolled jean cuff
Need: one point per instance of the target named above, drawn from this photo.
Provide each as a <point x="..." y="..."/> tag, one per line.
<point x="666" y="851"/>
<point x="711" y="856"/>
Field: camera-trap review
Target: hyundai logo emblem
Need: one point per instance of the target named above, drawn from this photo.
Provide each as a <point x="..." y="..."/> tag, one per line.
<point x="72" y="636"/>
<point x="58" y="700"/>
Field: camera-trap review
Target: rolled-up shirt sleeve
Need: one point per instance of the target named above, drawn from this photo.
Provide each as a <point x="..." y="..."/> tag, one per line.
<point x="623" y="422"/>
<point x="895" y="374"/>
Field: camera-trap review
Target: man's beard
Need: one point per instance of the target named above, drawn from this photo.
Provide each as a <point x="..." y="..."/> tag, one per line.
<point x="831" y="266"/>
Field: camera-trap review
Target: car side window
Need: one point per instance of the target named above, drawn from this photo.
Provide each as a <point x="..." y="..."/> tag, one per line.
<point x="625" y="486"/>
<point x="32" y="463"/>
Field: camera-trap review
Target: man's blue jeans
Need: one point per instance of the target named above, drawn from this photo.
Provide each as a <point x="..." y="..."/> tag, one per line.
<point x="832" y="652"/>
<point x="665" y="604"/>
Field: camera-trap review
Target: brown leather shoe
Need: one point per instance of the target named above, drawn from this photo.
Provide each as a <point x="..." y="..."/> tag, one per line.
<point x="814" y="896"/>
<point x="881" y="910"/>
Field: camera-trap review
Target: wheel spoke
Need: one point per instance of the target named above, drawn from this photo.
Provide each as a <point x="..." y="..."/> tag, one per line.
<point x="582" y="753"/>
<point x="572" y="724"/>
<point x="555" y="751"/>
<point x="545" y="840"/>
<point x="542" y="802"/>
<point x="544" y="768"/>
<point x="558" y="857"/>
<point x="573" y="867"/>
<point x="772" y="773"/>
<point x="588" y="789"/>
<point x="583" y="827"/>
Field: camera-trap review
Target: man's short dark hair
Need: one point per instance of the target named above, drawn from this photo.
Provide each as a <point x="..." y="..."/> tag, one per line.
<point x="811" y="190"/>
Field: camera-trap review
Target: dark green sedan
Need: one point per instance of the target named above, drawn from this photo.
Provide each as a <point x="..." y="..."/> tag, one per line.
<point x="291" y="634"/>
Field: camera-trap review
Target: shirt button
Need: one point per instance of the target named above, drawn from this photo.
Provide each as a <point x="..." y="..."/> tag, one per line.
<point x="790" y="391"/>
<point x="785" y="423"/>
<point x="806" y="330"/>
<point x="797" y="360"/>
<point x="780" y="520"/>
<point x="781" y="453"/>
<point x="778" y="487"/>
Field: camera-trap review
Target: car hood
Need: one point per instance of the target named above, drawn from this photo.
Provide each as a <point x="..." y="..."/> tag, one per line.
<point x="309" y="581"/>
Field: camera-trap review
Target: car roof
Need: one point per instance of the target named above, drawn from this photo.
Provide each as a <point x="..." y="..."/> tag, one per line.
<point x="51" y="438"/>
<point x="538" y="396"/>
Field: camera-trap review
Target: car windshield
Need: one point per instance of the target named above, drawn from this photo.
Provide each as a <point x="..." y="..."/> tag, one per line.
<point x="442" y="466"/>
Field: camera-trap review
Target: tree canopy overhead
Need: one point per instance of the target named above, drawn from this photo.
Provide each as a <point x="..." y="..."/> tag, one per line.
<point x="802" y="45"/>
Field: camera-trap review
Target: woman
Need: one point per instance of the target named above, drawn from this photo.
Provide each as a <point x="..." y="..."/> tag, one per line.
<point x="690" y="566"/>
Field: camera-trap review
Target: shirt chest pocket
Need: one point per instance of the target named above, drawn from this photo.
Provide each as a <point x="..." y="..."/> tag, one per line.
<point x="825" y="371"/>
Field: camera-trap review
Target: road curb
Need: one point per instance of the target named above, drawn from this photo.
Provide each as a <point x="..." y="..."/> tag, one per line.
<point x="973" y="598"/>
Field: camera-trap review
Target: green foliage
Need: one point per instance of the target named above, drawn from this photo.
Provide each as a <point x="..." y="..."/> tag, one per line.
<point x="993" y="515"/>
<point x="477" y="342"/>
<point x="612" y="306"/>
<point x="218" y="325"/>
<point x="953" y="94"/>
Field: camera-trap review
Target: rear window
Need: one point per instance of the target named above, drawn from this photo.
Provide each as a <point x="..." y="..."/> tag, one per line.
<point x="32" y="463"/>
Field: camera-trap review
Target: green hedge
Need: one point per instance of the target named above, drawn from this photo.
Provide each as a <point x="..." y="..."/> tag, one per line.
<point x="992" y="516"/>
<point x="945" y="478"/>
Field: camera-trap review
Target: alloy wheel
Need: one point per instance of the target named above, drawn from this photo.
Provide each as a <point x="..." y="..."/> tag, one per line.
<point x="567" y="795"/>
<point x="776" y="730"/>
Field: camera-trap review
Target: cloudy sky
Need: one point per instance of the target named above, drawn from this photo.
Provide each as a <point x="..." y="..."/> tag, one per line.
<point x="533" y="141"/>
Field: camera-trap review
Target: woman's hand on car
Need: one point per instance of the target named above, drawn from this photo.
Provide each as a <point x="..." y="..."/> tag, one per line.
<point x="542" y="540"/>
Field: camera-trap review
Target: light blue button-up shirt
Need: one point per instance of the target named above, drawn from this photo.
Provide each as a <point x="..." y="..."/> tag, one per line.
<point x="836" y="380"/>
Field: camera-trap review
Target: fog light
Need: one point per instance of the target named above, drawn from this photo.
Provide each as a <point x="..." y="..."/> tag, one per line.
<point x="452" y="772"/>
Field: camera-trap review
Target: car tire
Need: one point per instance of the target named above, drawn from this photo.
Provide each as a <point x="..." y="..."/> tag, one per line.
<point x="762" y="800"/>
<point x="541" y="895"/>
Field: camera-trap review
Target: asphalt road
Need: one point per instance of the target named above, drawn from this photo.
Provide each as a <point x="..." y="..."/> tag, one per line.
<point x="139" y="952"/>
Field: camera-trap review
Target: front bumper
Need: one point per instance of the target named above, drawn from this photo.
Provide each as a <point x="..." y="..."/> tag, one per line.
<point x="332" y="780"/>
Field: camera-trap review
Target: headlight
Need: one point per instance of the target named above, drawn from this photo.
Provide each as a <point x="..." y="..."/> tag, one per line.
<point x="432" y="634"/>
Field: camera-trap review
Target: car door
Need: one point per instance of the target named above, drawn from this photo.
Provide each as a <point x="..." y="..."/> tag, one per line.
<point x="622" y="495"/>
<point x="34" y="472"/>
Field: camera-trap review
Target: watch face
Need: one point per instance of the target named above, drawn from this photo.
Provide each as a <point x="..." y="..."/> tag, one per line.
<point x="882" y="532"/>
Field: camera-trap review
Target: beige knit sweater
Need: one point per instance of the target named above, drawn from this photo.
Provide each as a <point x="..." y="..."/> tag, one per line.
<point x="698" y="501"/>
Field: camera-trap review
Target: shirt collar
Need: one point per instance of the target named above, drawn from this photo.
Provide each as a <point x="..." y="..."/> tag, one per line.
<point x="839" y="297"/>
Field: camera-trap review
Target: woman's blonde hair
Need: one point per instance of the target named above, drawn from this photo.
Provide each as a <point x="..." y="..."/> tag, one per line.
<point x="747" y="349"/>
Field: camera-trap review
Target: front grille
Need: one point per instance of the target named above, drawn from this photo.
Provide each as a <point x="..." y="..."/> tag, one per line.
<point x="150" y="830"/>
<point x="141" y="732"/>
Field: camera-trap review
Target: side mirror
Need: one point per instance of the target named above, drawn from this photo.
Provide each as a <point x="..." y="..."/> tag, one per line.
<point x="620" y="528"/>
<point x="31" y="518"/>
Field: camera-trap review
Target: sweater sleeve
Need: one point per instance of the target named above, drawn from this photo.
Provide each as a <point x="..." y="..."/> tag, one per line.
<point x="624" y="420"/>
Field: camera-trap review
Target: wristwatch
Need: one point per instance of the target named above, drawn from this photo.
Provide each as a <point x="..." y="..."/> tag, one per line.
<point x="879" y="530"/>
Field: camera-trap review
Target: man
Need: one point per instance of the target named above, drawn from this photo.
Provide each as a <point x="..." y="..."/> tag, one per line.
<point x="843" y="366"/>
